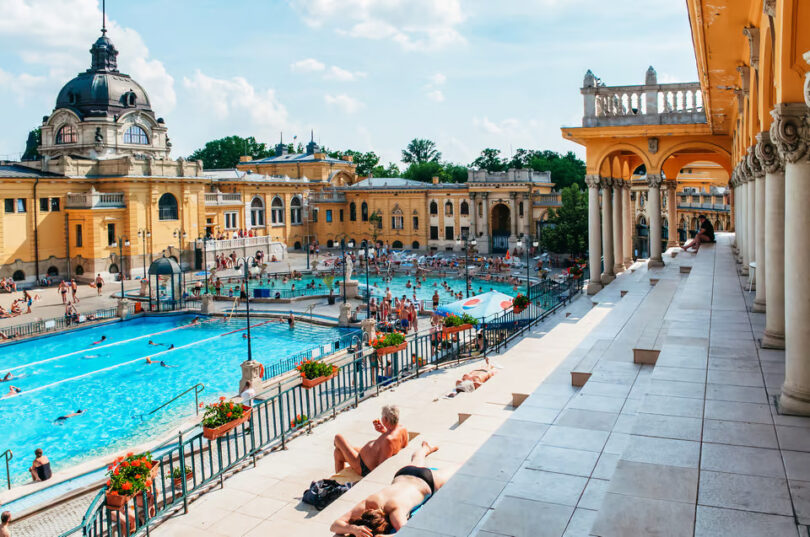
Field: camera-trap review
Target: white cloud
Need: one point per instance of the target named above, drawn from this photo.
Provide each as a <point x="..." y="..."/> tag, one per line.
<point x="435" y="95"/>
<point x="20" y="85"/>
<point x="348" y="105"/>
<point x="235" y="101"/>
<point x="343" y="75"/>
<point x="438" y="79"/>
<point x="56" y="34"/>
<point x="308" y="65"/>
<point x="413" y="24"/>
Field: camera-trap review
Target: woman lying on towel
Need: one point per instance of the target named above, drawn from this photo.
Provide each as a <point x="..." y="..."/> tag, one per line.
<point x="473" y="380"/>
<point x="388" y="510"/>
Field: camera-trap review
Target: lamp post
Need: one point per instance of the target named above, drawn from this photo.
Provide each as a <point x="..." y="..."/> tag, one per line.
<point x="368" y="289"/>
<point x="123" y="240"/>
<point x="247" y="261"/>
<point x="467" y="242"/>
<point x="179" y="234"/>
<point x="526" y="241"/>
<point x="145" y="234"/>
<point x="204" y="238"/>
<point x="343" y="246"/>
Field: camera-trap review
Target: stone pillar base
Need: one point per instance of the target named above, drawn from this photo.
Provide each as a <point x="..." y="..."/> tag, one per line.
<point x="794" y="402"/>
<point x="758" y="306"/>
<point x="672" y="244"/>
<point x="345" y="313"/>
<point x="122" y="308"/>
<point x="607" y="278"/>
<point x="772" y="340"/>
<point x="352" y="287"/>
<point x="617" y="268"/>
<point x="628" y="261"/>
<point x="251" y="371"/>
<point x="207" y="304"/>
<point x="594" y="287"/>
<point x="655" y="263"/>
<point x="744" y="270"/>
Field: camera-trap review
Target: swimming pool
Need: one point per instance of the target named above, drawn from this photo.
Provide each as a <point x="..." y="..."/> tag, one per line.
<point x="62" y="373"/>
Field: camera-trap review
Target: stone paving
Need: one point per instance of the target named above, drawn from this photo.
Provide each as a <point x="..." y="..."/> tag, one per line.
<point x="692" y="446"/>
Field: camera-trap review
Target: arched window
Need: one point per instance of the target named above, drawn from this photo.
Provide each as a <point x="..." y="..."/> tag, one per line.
<point x="434" y="208"/>
<point x="415" y="245"/>
<point x="67" y="135"/>
<point x="353" y="211"/>
<point x="18" y="276"/>
<point x="397" y="220"/>
<point x="53" y="271"/>
<point x="330" y="243"/>
<point x="167" y="207"/>
<point x="397" y="245"/>
<point x="297" y="245"/>
<point x="79" y="270"/>
<point x="113" y="269"/>
<point x="257" y="212"/>
<point x="295" y="210"/>
<point x="135" y="135"/>
<point x="277" y="211"/>
<point x="364" y="212"/>
<point x="448" y="208"/>
<point x="465" y="208"/>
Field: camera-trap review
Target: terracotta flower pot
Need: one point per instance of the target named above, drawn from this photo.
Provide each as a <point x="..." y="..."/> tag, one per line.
<point x="212" y="433"/>
<point x="115" y="500"/>
<point x="453" y="329"/>
<point x="178" y="481"/>
<point x="392" y="349"/>
<point x="311" y="383"/>
<point x="519" y="309"/>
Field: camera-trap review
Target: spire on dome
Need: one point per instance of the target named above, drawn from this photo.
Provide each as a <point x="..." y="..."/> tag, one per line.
<point x="103" y="53"/>
<point x="312" y="147"/>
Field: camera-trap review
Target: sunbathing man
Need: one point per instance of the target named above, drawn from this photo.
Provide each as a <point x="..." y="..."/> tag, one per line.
<point x="473" y="380"/>
<point x="392" y="506"/>
<point x="393" y="437"/>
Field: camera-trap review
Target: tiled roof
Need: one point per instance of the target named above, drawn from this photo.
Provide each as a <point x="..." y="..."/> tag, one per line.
<point x="9" y="169"/>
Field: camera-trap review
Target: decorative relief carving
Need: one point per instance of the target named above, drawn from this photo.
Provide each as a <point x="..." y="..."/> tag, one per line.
<point x="753" y="164"/>
<point x="767" y="154"/>
<point x="790" y="130"/>
<point x="654" y="180"/>
<point x="593" y="181"/>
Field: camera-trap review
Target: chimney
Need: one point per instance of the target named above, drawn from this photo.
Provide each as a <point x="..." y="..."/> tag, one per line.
<point x="435" y="179"/>
<point x="245" y="158"/>
<point x="347" y="158"/>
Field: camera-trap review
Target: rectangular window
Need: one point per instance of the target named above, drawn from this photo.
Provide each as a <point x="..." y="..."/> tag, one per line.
<point x="110" y="234"/>
<point x="397" y="222"/>
<point x="9" y="205"/>
<point x="448" y="233"/>
<point x="329" y="215"/>
<point x="415" y="223"/>
<point x="20" y="205"/>
<point x="43" y="205"/>
<point x="465" y="232"/>
<point x="54" y="205"/>
<point x="341" y="215"/>
<point x="434" y="233"/>
<point x="314" y="216"/>
<point x="230" y="220"/>
<point x="79" y="239"/>
<point x="520" y="209"/>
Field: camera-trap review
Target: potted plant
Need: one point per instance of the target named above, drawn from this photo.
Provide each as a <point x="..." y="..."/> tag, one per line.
<point x="314" y="372"/>
<point x="220" y="418"/>
<point x="454" y="323"/>
<point x="389" y="343"/>
<point x="180" y="473"/>
<point x="329" y="282"/>
<point x="520" y="303"/>
<point x="417" y="360"/>
<point x="129" y="476"/>
<point x="299" y="421"/>
<point x="575" y="271"/>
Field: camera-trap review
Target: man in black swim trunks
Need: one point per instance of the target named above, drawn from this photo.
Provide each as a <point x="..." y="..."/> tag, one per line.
<point x="391" y="507"/>
<point x="393" y="437"/>
<point x="66" y="416"/>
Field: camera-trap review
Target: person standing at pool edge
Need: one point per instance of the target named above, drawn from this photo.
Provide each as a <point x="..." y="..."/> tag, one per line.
<point x="99" y="283"/>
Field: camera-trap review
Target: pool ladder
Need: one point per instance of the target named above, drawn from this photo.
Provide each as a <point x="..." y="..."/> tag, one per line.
<point x="8" y="455"/>
<point x="198" y="388"/>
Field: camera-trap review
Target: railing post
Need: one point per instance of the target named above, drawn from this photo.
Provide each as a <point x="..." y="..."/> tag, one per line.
<point x="283" y="421"/>
<point x="183" y="485"/>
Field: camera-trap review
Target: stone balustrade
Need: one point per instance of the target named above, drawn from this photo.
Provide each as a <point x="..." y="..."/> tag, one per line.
<point x="223" y="198"/>
<point x="95" y="200"/>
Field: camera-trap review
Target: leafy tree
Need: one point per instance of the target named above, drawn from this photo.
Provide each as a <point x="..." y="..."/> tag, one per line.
<point x="420" y="151"/>
<point x="566" y="230"/>
<point x="453" y="173"/>
<point x="32" y="145"/>
<point x="225" y="152"/>
<point x="392" y="170"/>
<point x="490" y="160"/>
<point x="423" y="171"/>
<point x="566" y="170"/>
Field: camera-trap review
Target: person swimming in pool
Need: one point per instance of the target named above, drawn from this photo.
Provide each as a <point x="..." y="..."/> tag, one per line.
<point x="155" y="344"/>
<point x="12" y="391"/>
<point x="164" y="364"/>
<point x="8" y="377"/>
<point x="103" y="338"/>
<point x="67" y="416"/>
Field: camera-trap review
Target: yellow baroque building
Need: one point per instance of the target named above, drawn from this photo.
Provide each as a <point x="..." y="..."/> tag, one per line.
<point x="106" y="198"/>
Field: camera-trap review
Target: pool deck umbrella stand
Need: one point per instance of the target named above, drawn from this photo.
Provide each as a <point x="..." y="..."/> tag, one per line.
<point x="166" y="296"/>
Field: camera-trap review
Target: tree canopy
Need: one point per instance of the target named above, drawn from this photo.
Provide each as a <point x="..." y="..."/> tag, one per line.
<point x="225" y="152"/>
<point x="421" y="150"/>
<point x="32" y="145"/>
<point x="566" y="170"/>
<point x="566" y="228"/>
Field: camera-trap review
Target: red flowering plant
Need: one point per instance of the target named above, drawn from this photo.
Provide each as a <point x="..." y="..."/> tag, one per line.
<point x="520" y="303"/>
<point x="130" y="475"/>
<point x="220" y="413"/>
<point x="391" y="339"/>
<point x="575" y="271"/>
<point x="455" y="320"/>
<point x="313" y="369"/>
<point x="300" y="419"/>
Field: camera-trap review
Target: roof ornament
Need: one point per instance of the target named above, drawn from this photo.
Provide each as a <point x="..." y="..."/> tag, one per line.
<point x="103" y="17"/>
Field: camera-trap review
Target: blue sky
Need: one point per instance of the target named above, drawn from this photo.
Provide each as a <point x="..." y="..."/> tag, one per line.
<point x="369" y="75"/>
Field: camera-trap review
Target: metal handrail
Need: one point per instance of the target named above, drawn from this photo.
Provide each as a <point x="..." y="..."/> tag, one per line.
<point x="198" y="388"/>
<point x="8" y="455"/>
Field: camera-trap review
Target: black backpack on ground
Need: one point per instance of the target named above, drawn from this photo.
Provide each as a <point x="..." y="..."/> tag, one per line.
<point x="322" y="493"/>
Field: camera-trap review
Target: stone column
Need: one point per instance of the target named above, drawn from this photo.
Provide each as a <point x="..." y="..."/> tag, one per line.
<point x="774" y="335"/>
<point x="527" y="214"/>
<point x="627" y="227"/>
<point x="594" y="235"/>
<point x="607" y="230"/>
<point x="672" y="213"/>
<point x="654" y="218"/>
<point x="513" y="198"/>
<point x="483" y="240"/>
<point x="618" y="239"/>
<point x="745" y="254"/>
<point x="790" y="131"/>
<point x="751" y="224"/>
<point x="759" y="239"/>
<point x="474" y="209"/>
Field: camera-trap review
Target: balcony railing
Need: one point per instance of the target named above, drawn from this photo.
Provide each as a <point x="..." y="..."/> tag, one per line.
<point x="95" y="200"/>
<point x="648" y="104"/>
<point x="223" y="198"/>
<point x="547" y="200"/>
<point x="704" y="206"/>
<point x="327" y="197"/>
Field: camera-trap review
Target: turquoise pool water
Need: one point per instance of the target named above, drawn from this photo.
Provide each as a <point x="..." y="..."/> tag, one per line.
<point x="113" y="383"/>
